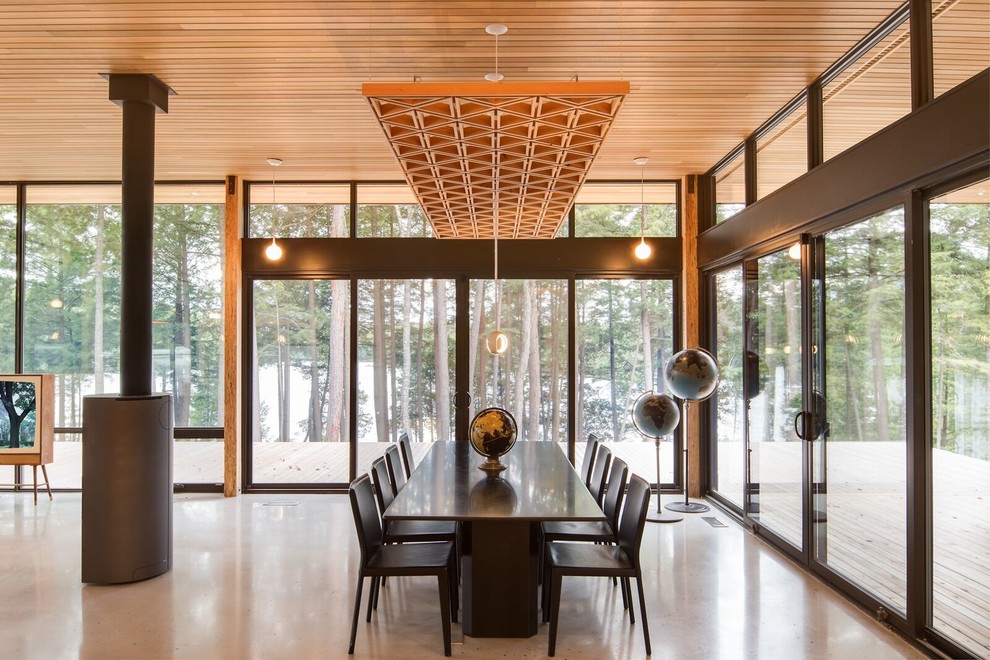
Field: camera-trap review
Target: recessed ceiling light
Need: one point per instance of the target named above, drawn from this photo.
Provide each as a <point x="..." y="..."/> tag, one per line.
<point x="496" y="29"/>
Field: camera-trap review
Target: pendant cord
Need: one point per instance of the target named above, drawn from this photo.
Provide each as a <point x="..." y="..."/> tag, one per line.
<point x="642" y="203"/>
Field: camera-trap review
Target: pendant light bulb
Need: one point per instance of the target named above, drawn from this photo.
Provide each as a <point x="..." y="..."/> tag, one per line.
<point x="643" y="250"/>
<point x="497" y="342"/>
<point x="274" y="251"/>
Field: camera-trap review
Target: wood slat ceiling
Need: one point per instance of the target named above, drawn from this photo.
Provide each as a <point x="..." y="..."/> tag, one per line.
<point x="487" y="158"/>
<point x="266" y="78"/>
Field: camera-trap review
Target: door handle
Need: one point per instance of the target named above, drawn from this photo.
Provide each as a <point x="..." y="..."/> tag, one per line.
<point x="799" y="426"/>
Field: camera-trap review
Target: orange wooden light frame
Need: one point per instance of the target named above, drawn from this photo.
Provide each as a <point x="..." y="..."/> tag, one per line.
<point x="527" y="145"/>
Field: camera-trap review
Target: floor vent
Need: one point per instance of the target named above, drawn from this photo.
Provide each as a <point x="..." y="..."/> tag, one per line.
<point x="713" y="521"/>
<point x="280" y="504"/>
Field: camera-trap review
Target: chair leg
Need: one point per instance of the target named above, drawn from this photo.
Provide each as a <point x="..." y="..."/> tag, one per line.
<point x="555" y="579"/>
<point x="642" y="612"/>
<point x="632" y="608"/>
<point x="454" y="586"/>
<point x="444" y="588"/>
<point x="357" y="613"/>
<point x="373" y="597"/>
<point x="545" y="591"/>
<point x="625" y="593"/>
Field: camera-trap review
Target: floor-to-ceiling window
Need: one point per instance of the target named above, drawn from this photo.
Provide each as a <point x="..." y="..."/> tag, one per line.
<point x="959" y="228"/>
<point x="8" y="275"/>
<point x="625" y="335"/>
<point x="728" y="437"/>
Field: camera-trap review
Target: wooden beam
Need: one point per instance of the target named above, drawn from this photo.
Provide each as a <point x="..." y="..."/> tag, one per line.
<point x="691" y="311"/>
<point x="490" y="89"/>
<point x="231" y="332"/>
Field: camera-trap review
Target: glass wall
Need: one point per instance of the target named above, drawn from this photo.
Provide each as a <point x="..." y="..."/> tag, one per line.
<point x="730" y="188"/>
<point x="406" y="349"/>
<point x="390" y="211"/>
<point x="8" y="274"/>
<point x="530" y="378"/>
<point x="870" y="94"/>
<point x="960" y="40"/>
<point x="773" y="340"/>
<point x="300" y="384"/>
<point x="782" y="152"/>
<point x="860" y="373"/>
<point x="615" y="209"/>
<point x="625" y="335"/>
<point x="299" y="210"/>
<point x="728" y="452"/>
<point x="959" y="223"/>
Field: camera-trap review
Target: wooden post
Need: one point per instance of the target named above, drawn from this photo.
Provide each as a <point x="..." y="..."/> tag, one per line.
<point x="691" y="315"/>
<point x="231" y="334"/>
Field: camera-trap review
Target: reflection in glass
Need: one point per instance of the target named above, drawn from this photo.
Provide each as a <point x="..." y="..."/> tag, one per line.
<point x="960" y="41"/>
<point x="782" y="152"/>
<point x="870" y="94"/>
<point x="730" y="188"/>
<point x="625" y="335"/>
<point x="406" y="352"/>
<point x="72" y="296"/>
<point x="530" y="378"/>
<point x="602" y="210"/>
<point x="860" y="371"/>
<point x="390" y="211"/>
<point x="960" y="317"/>
<point x="729" y="400"/>
<point x="8" y="276"/>
<point x="300" y="384"/>
<point x="299" y="210"/>
<point x="773" y="338"/>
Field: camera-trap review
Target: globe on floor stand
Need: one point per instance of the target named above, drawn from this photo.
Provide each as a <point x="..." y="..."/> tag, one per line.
<point x="654" y="416"/>
<point x="692" y="375"/>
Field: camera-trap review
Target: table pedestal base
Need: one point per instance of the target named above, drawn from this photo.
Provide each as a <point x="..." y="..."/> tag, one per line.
<point x="499" y="570"/>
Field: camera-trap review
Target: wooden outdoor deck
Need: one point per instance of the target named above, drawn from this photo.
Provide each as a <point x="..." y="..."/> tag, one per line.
<point x="866" y="509"/>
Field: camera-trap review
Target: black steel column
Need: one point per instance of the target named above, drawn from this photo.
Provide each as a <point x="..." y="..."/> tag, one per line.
<point x="140" y="96"/>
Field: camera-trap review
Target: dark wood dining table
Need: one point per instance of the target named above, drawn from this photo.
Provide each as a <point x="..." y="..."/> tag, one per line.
<point x="500" y="524"/>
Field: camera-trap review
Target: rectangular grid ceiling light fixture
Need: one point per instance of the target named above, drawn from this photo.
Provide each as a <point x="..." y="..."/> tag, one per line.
<point x="458" y="142"/>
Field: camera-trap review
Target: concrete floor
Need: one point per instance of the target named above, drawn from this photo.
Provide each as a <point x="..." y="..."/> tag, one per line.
<point x="257" y="581"/>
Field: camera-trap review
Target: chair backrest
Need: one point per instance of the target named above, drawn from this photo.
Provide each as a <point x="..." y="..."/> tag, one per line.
<point x="383" y="488"/>
<point x="405" y="448"/>
<point x="633" y="519"/>
<point x="394" y="464"/>
<point x="603" y="460"/>
<point x="366" y="520"/>
<point x="615" y="491"/>
<point x="588" y="461"/>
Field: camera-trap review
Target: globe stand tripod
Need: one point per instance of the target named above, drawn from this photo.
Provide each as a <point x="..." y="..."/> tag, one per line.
<point x="687" y="506"/>
<point x="661" y="516"/>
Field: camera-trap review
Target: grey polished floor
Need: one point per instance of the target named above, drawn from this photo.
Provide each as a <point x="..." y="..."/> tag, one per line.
<point x="253" y="580"/>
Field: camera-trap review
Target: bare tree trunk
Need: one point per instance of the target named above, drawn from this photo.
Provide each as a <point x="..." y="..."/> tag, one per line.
<point x="611" y="366"/>
<point x="873" y="312"/>
<point x="477" y="323"/>
<point x="314" y="423"/>
<point x="183" y="327"/>
<point x="378" y="366"/>
<point x="406" y="353"/>
<point x="440" y="358"/>
<point x="852" y="398"/>
<point x="98" y="304"/>
<point x="555" y="388"/>
<point x="579" y="408"/>
<point x="644" y="326"/>
<point x="792" y="320"/>
<point x="420" y="381"/>
<point x="535" y="382"/>
<point x="523" y="364"/>
<point x="255" y="382"/>
<point x="282" y="369"/>
<point x="339" y="381"/>
<point x="393" y="390"/>
<point x="938" y="397"/>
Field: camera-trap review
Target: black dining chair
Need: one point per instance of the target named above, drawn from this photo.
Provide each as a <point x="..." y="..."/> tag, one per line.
<point x="590" y="447"/>
<point x="396" y="476"/>
<point x="593" y="531"/>
<point x="405" y="448"/>
<point x="599" y="474"/>
<point x="379" y="560"/>
<point x="407" y="531"/>
<point x="621" y="561"/>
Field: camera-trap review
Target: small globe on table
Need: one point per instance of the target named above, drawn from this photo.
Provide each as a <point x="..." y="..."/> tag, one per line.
<point x="492" y="434"/>
<point x="692" y="374"/>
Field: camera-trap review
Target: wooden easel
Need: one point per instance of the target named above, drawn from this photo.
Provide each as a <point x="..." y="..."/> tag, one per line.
<point x="17" y="484"/>
<point x="40" y="453"/>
